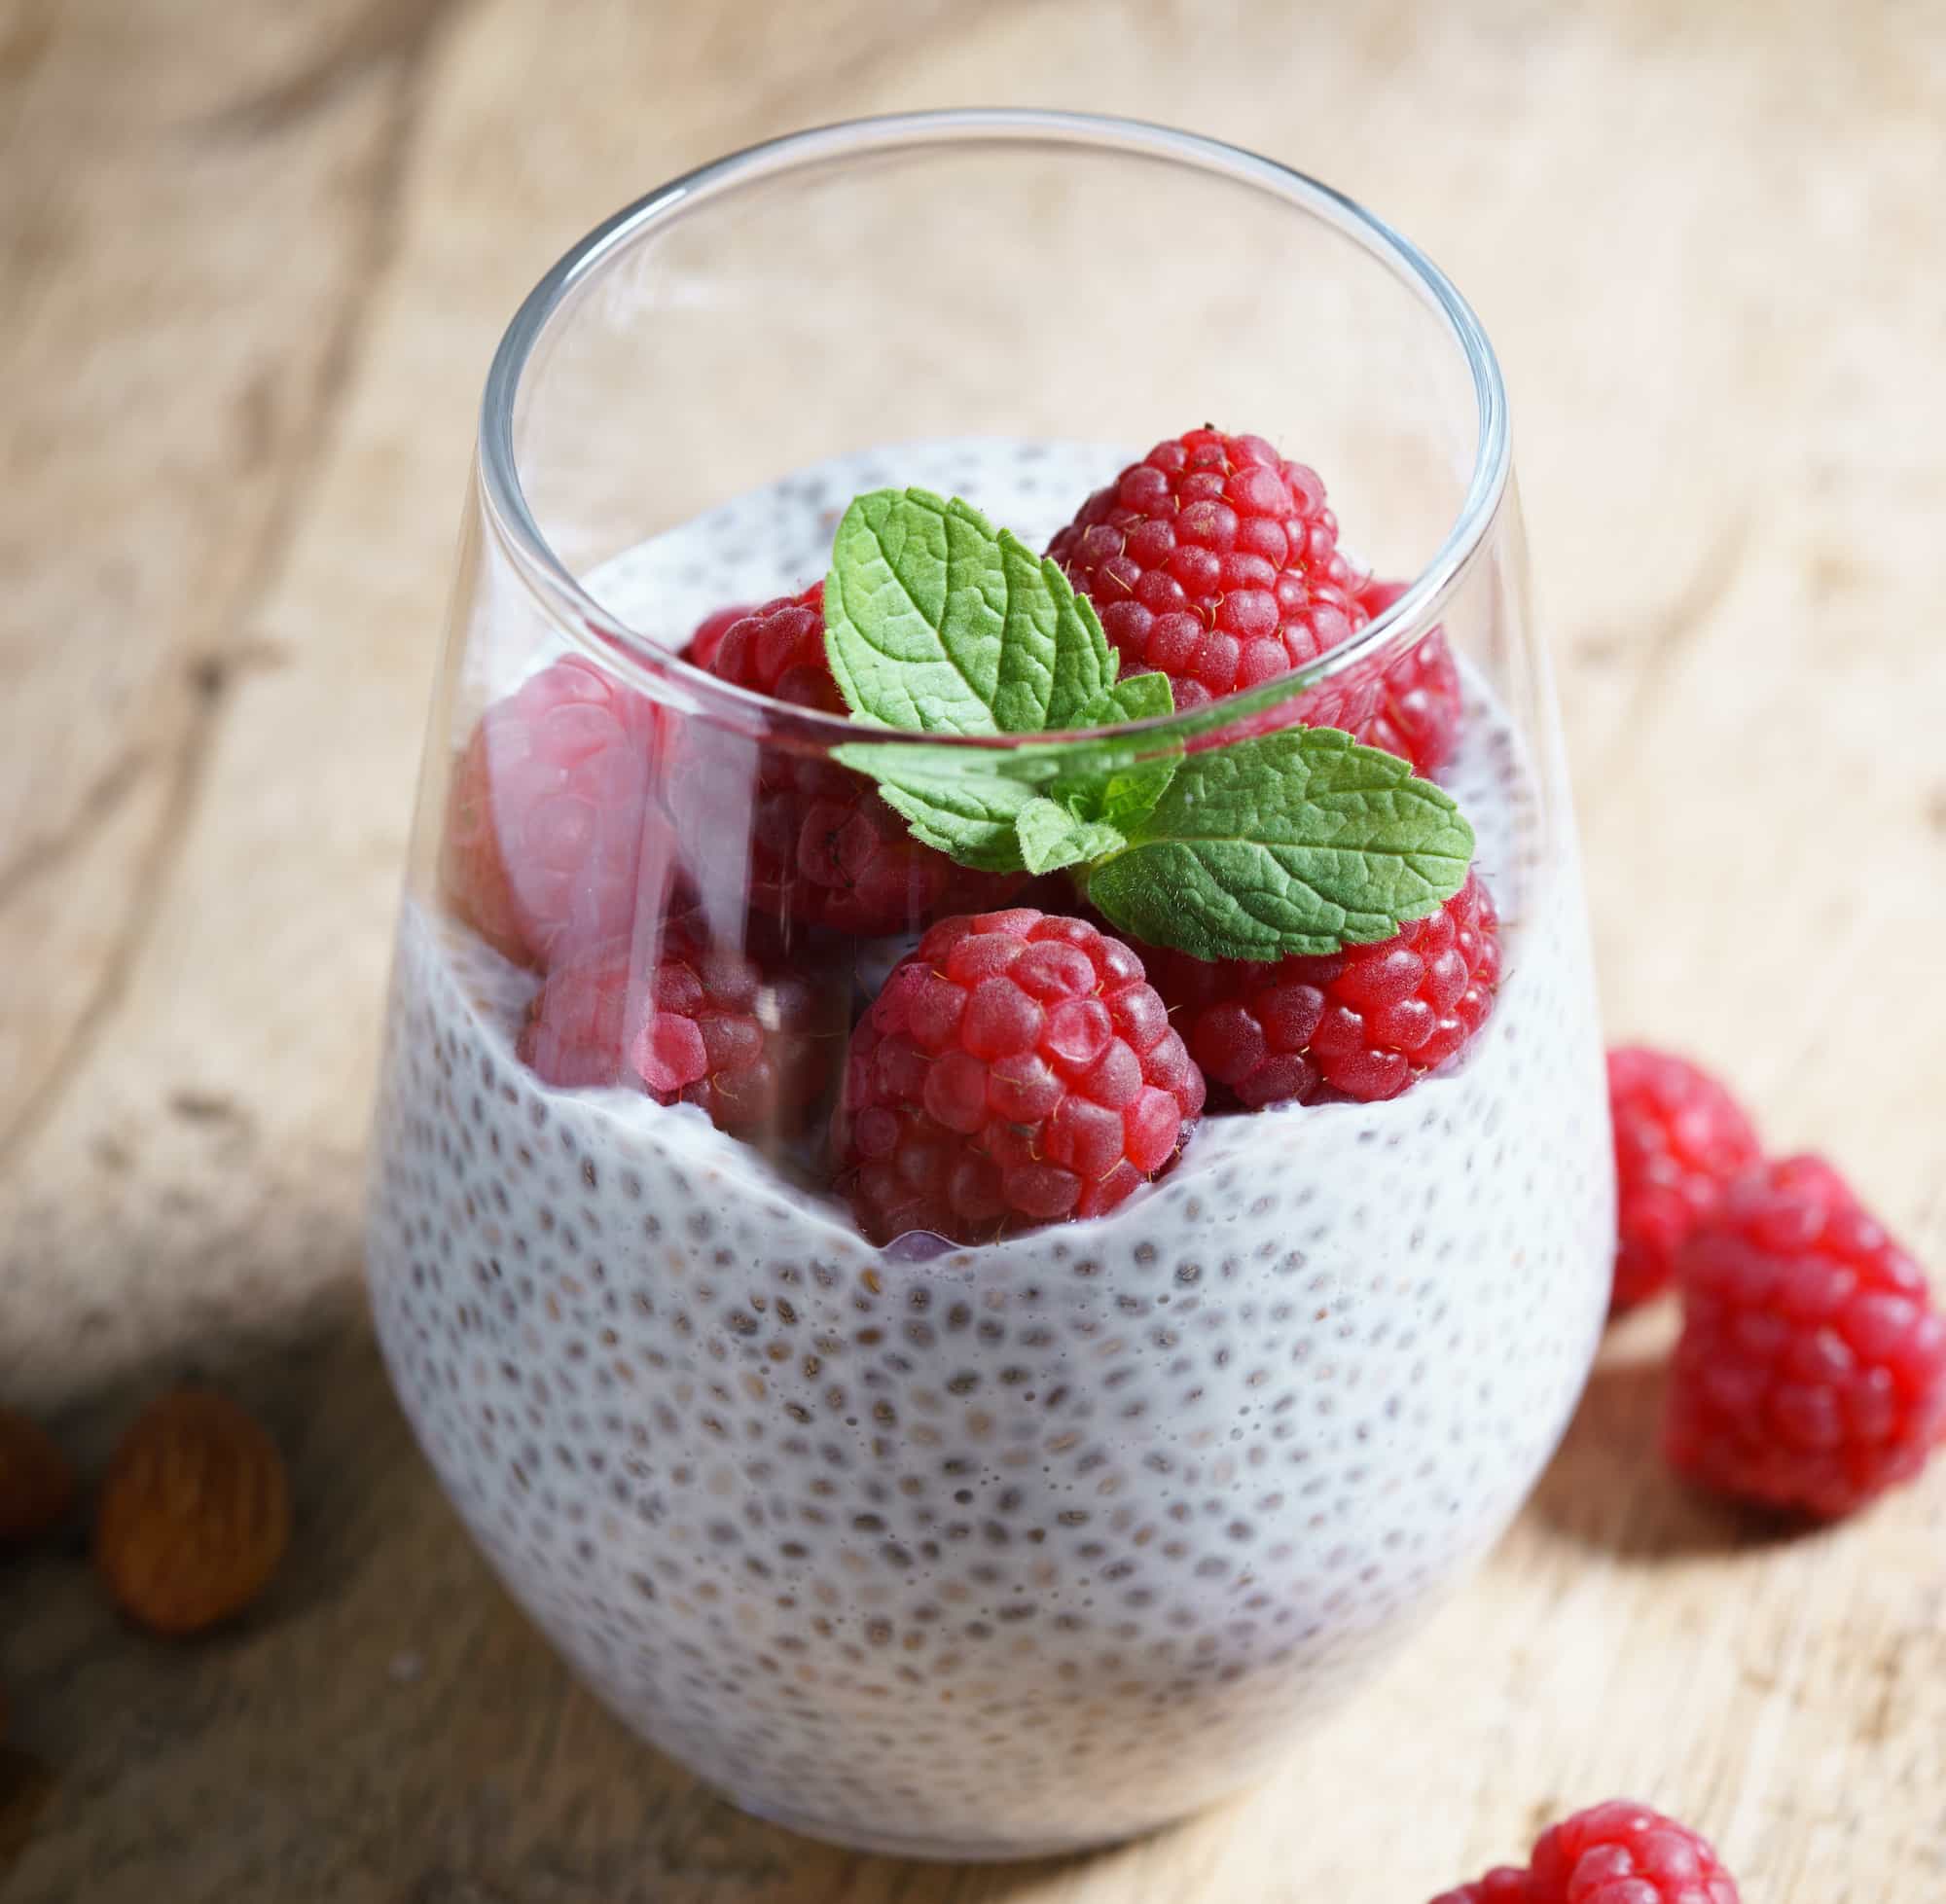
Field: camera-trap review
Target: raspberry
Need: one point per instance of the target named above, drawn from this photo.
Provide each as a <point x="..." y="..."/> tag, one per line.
<point x="705" y="1024"/>
<point x="709" y="633"/>
<point x="1616" y="1853"/>
<point x="824" y="849"/>
<point x="1411" y="704"/>
<point x="775" y="650"/>
<point x="550" y="823"/>
<point x="1624" y="1853"/>
<point x="1015" y="1069"/>
<point x="1810" y="1374"/>
<point x="1679" y="1140"/>
<point x="1363" y="1022"/>
<point x="1215" y="561"/>
<point x="1414" y="705"/>
<point x="1505" y="1884"/>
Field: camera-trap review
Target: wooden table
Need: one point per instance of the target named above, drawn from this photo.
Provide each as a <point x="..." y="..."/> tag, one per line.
<point x="256" y="260"/>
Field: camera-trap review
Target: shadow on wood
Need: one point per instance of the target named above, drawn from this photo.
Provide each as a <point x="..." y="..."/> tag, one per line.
<point x="1609" y="1488"/>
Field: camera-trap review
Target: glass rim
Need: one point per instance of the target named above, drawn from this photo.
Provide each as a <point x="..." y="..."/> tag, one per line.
<point x="651" y="665"/>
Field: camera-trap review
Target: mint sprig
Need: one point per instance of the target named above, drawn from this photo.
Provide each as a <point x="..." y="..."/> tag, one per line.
<point x="1121" y="786"/>
<point x="937" y="622"/>
<point x="1052" y="836"/>
<point x="1299" y="842"/>
<point x="966" y="810"/>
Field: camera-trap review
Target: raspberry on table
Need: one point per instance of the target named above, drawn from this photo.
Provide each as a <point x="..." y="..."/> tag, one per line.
<point x="552" y="821"/>
<point x="1015" y="1069"/>
<point x="1505" y="1884"/>
<point x="823" y="849"/>
<point x="1624" y="1853"/>
<point x="1616" y="1853"/>
<point x="697" y="1024"/>
<point x="1811" y="1372"/>
<point x="1215" y="561"/>
<point x="1363" y="1023"/>
<point x="1680" y="1140"/>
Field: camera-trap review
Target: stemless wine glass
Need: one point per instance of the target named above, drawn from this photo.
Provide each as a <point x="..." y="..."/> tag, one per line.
<point x="1048" y="1531"/>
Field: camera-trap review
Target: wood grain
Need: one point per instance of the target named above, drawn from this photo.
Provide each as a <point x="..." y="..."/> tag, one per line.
<point x="255" y="262"/>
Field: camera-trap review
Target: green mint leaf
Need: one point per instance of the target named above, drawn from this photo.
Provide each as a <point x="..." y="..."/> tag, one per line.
<point x="1300" y="841"/>
<point x="963" y="811"/>
<point x="1051" y="836"/>
<point x="1117" y="784"/>
<point x="1134" y="697"/>
<point x="937" y="622"/>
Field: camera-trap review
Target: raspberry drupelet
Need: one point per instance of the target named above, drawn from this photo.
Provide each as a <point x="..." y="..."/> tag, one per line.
<point x="1619" y="1852"/>
<point x="1680" y="1140"/>
<point x="701" y="1025"/>
<point x="1215" y="561"/>
<point x="824" y="850"/>
<point x="1363" y="1023"/>
<point x="1810" y="1374"/>
<point x="1015" y="1069"/>
<point x="552" y="817"/>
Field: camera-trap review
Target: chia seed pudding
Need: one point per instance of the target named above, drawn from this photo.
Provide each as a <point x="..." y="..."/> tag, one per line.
<point x="1007" y="1548"/>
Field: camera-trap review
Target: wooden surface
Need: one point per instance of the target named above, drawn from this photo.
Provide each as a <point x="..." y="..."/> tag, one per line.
<point x="255" y="259"/>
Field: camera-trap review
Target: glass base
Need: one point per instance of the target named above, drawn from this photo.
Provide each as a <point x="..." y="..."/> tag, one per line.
<point x="949" y="1851"/>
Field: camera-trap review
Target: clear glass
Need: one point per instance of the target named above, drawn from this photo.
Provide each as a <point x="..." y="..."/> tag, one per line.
<point x="1039" y="1537"/>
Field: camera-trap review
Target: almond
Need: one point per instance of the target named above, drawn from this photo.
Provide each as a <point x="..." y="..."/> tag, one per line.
<point x="195" y="1515"/>
<point x="36" y="1483"/>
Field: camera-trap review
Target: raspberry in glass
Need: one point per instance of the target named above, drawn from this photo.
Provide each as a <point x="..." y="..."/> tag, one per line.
<point x="710" y="633"/>
<point x="1811" y="1372"/>
<point x="1412" y="706"/>
<point x="825" y="849"/>
<point x="1680" y="1140"/>
<point x="1016" y="1068"/>
<point x="1363" y="1023"/>
<point x="1214" y="561"/>
<point x="697" y="1023"/>
<point x="552" y="819"/>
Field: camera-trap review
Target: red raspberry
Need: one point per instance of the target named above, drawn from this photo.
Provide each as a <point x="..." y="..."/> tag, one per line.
<point x="1624" y="1853"/>
<point x="1364" y="1022"/>
<point x="703" y="1024"/>
<point x="1616" y="1853"/>
<point x="1015" y="1069"/>
<point x="1679" y="1140"/>
<point x="1812" y="1370"/>
<point x="775" y="650"/>
<point x="709" y="633"/>
<point x="1215" y="561"/>
<point x="824" y="850"/>
<point x="1505" y="1884"/>
<point x="550" y="822"/>
<point x="1411" y="706"/>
